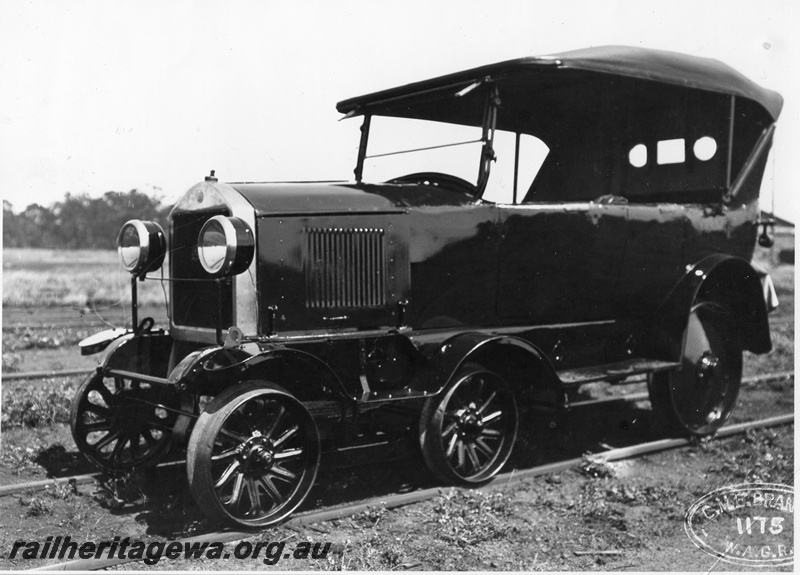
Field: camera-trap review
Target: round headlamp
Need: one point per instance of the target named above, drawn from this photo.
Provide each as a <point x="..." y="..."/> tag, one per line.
<point x="141" y="246"/>
<point x="225" y="246"/>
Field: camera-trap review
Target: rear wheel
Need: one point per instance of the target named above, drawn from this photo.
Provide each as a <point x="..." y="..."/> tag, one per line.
<point x="698" y="398"/>
<point x="253" y="455"/>
<point x="467" y="432"/>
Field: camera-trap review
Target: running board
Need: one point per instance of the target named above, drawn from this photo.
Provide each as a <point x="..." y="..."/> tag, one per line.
<point x="614" y="372"/>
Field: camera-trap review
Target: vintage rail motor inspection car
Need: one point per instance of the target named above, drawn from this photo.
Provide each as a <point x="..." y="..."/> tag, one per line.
<point x="512" y="231"/>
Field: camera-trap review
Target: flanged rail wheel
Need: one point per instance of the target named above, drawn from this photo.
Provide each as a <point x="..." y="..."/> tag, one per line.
<point x="123" y="424"/>
<point x="253" y="455"/>
<point x="698" y="398"/>
<point x="467" y="432"/>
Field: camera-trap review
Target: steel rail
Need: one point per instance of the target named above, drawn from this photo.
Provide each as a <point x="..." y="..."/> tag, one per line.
<point x="57" y="322"/>
<point x="778" y="375"/>
<point x="44" y="375"/>
<point x="67" y="480"/>
<point x="500" y="482"/>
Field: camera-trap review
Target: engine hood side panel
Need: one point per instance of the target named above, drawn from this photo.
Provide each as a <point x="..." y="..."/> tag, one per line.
<point x="331" y="272"/>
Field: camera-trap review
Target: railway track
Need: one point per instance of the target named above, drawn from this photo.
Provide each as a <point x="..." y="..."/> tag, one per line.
<point x="501" y="481"/>
<point x="641" y="396"/>
<point x="91" y="477"/>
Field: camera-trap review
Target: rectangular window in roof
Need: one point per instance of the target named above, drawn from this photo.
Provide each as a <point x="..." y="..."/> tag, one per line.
<point x="671" y="151"/>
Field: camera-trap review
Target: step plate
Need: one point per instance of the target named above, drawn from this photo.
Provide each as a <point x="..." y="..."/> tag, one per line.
<point x="613" y="372"/>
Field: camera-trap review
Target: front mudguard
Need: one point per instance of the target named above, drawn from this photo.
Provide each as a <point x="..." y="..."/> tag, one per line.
<point x="211" y="370"/>
<point x="146" y="353"/>
<point x="101" y="340"/>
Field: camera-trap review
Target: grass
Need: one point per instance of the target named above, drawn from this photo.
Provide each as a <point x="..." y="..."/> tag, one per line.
<point x="84" y="279"/>
<point x="36" y="450"/>
<point x="766" y="459"/>
<point x="467" y="518"/>
<point x="458" y="520"/>
<point x="540" y="524"/>
<point x="42" y="259"/>
<point x="781" y="358"/>
<point x="43" y="349"/>
<point x="23" y="339"/>
<point x="36" y="406"/>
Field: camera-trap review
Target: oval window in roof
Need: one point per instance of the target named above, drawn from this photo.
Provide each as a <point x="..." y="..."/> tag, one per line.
<point x="638" y="156"/>
<point x="705" y="148"/>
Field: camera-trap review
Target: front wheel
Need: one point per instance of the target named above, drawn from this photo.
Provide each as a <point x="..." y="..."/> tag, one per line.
<point x="467" y="432"/>
<point x="123" y="424"/>
<point x="253" y="455"/>
<point x="698" y="398"/>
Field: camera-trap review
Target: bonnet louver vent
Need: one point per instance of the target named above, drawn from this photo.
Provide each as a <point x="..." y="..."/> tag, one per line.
<point x="345" y="268"/>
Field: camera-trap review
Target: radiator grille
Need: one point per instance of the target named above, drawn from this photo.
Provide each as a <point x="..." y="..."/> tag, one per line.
<point x="345" y="268"/>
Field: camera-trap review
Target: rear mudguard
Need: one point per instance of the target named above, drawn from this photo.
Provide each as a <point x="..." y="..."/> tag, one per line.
<point x="521" y="363"/>
<point x="730" y="282"/>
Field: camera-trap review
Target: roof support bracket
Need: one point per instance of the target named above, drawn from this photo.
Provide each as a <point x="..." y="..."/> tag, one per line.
<point x="489" y="124"/>
<point x="362" y="148"/>
<point x="762" y="145"/>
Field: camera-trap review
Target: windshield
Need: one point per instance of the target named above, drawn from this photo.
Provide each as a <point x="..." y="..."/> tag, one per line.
<point x="399" y="147"/>
<point x="403" y="146"/>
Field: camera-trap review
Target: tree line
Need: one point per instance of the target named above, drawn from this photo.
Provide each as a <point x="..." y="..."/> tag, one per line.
<point x="79" y="222"/>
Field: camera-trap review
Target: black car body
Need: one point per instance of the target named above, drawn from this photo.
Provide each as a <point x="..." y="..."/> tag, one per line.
<point x="302" y="315"/>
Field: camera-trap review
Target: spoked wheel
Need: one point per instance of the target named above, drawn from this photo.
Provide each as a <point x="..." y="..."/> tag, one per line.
<point x="122" y="425"/>
<point x="698" y="398"/>
<point x="468" y="430"/>
<point x="253" y="455"/>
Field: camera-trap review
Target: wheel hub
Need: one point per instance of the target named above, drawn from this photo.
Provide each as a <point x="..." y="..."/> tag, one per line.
<point x="706" y="367"/>
<point x="257" y="455"/>
<point x="129" y="413"/>
<point x="470" y="423"/>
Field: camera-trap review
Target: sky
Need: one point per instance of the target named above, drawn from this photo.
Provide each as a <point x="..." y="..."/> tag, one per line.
<point x="100" y="96"/>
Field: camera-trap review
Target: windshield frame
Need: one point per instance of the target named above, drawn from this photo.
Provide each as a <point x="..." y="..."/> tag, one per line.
<point x="488" y="127"/>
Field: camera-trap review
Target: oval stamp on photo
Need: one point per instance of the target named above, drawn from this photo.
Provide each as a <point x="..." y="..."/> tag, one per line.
<point x="748" y="524"/>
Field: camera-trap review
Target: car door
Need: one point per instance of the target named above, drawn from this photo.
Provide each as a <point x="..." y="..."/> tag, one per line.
<point x="653" y="260"/>
<point x="560" y="263"/>
<point x="453" y="257"/>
